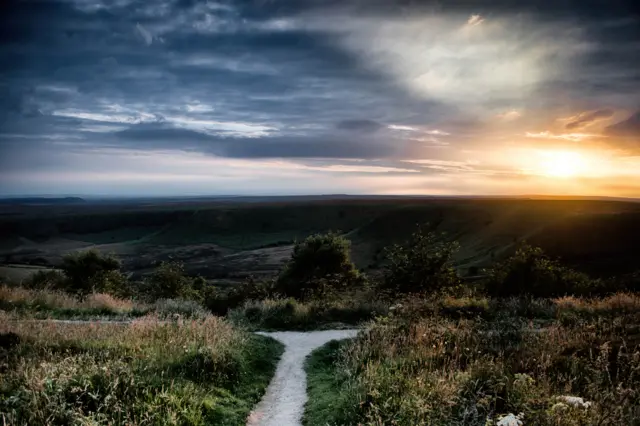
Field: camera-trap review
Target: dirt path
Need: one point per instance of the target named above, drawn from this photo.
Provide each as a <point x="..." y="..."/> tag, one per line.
<point x="283" y="403"/>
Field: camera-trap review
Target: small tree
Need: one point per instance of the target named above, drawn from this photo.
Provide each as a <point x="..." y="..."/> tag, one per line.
<point x="530" y="272"/>
<point x="316" y="261"/>
<point x="169" y="281"/>
<point x="424" y="263"/>
<point x="90" y="271"/>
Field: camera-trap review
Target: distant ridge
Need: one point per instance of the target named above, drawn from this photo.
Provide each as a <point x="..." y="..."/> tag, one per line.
<point x="42" y="200"/>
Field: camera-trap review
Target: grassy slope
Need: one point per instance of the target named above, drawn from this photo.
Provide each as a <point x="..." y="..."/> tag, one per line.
<point x="326" y="404"/>
<point x="413" y="370"/>
<point x="486" y="229"/>
<point x="148" y="373"/>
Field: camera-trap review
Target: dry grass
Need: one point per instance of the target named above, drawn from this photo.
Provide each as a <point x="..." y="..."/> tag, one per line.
<point x="436" y="370"/>
<point x="149" y="371"/>
<point x="619" y="302"/>
<point x="19" y="298"/>
<point x="289" y="314"/>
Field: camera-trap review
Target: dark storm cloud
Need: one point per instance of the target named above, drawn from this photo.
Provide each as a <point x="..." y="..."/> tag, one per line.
<point x="247" y="79"/>
<point x="323" y="145"/>
<point x="359" y="125"/>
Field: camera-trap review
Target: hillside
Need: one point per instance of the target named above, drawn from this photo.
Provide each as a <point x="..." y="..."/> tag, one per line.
<point x="227" y="240"/>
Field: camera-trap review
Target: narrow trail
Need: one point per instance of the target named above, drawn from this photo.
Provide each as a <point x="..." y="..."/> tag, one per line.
<point x="283" y="403"/>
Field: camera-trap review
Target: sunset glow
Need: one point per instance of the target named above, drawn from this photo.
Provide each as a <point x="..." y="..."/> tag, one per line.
<point x="351" y="97"/>
<point x="563" y="164"/>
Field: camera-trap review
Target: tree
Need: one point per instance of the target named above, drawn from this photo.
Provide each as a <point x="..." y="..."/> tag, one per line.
<point x="89" y="271"/>
<point x="169" y="281"/>
<point x="318" y="261"/>
<point x="424" y="263"/>
<point x="531" y="272"/>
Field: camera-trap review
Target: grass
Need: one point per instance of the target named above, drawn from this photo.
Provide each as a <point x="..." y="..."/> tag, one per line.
<point x="289" y="314"/>
<point x="422" y="368"/>
<point x="60" y="305"/>
<point x="50" y="304"/>
<point x="148" y="372"/>
<point x="325" y="404"/>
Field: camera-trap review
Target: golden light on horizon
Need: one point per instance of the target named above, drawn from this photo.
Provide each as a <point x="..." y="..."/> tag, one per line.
<point x="563" y="164"/>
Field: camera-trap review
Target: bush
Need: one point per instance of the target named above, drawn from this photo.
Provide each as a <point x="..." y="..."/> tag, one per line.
<point x="291" y="314"/>
<point x="46" y="280"/>
<point x="220" y="302"/>
<point x="182" y="307"/>
<point x="318" y="263"/>
<point x="530" y="272"/>
<point x="90" y="271"/>
<point x="169" y="281"/>
<point x="423" y="264"/>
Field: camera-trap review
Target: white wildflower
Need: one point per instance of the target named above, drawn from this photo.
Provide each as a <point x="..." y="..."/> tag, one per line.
<point x="510" y="420"/>
<point x="574" y="401"/>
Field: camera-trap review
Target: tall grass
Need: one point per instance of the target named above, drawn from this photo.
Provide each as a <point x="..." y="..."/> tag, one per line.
<point x="22" y="299"/>
<point x="436" y="370"/>
<point x="289" y="314"/>
<point x="147" y="372"/>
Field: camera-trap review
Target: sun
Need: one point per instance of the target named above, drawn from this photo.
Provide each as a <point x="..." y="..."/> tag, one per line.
<point x="562" y="164"/>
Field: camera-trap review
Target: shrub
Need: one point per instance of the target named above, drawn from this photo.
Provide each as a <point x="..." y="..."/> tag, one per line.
<point x="291" y="314"/>
<point x="423" y="264"/>
<point x="220" y="302"/>
<point x="182" y="307"/>
<point x="91" y="271"/>
<point x="46" y="280"/>
<point x="530" y="272"/>
<point x="168" y="281"/>
<point x="319" y="262"/>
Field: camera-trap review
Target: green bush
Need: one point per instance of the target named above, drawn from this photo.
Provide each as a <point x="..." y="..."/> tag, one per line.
<point x="291" y="314"/>
<point x="319" y="263"/>
<point x="423" y="264"/>
<point x="220" y="301"/>
<point x="168" y="281"/>
<point x="90" y="271"/>
<point x="530" y="272"/>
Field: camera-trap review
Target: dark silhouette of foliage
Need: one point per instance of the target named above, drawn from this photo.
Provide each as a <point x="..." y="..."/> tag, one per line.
<point x="49" y="280"/>
<point x="531" y="272"/>
<point x="423" y="264"/>
<point x="320" y="260"/>
<point x="91" y="271"/>
<point x="169" y="281"/>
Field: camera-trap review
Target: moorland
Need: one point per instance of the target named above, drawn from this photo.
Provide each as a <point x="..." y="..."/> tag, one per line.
<point x="473" y="311"/>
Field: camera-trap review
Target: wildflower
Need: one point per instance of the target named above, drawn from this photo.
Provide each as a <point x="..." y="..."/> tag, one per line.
<point x="574" y="401"/>
<point x="511" y="420"/>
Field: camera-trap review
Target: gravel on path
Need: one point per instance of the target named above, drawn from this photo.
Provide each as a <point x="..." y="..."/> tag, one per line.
<point x="283" y="403"/>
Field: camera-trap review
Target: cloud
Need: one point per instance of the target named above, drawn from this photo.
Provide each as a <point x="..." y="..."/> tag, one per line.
<point x="475" y="20"/>
<point x="144" y="34"/>
<point x="509" y="115"/>
<point x="585" y="119"/>
<point x="359" y="125"/>
<point x="401" y="127"/>
<point x="429" y="55"/>
<point x="574" y="137"/>
<point x="338" y="81"/>
<point x="626" y="128"/>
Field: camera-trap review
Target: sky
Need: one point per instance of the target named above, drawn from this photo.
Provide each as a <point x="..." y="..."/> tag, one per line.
<point x="266" y="97"/>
